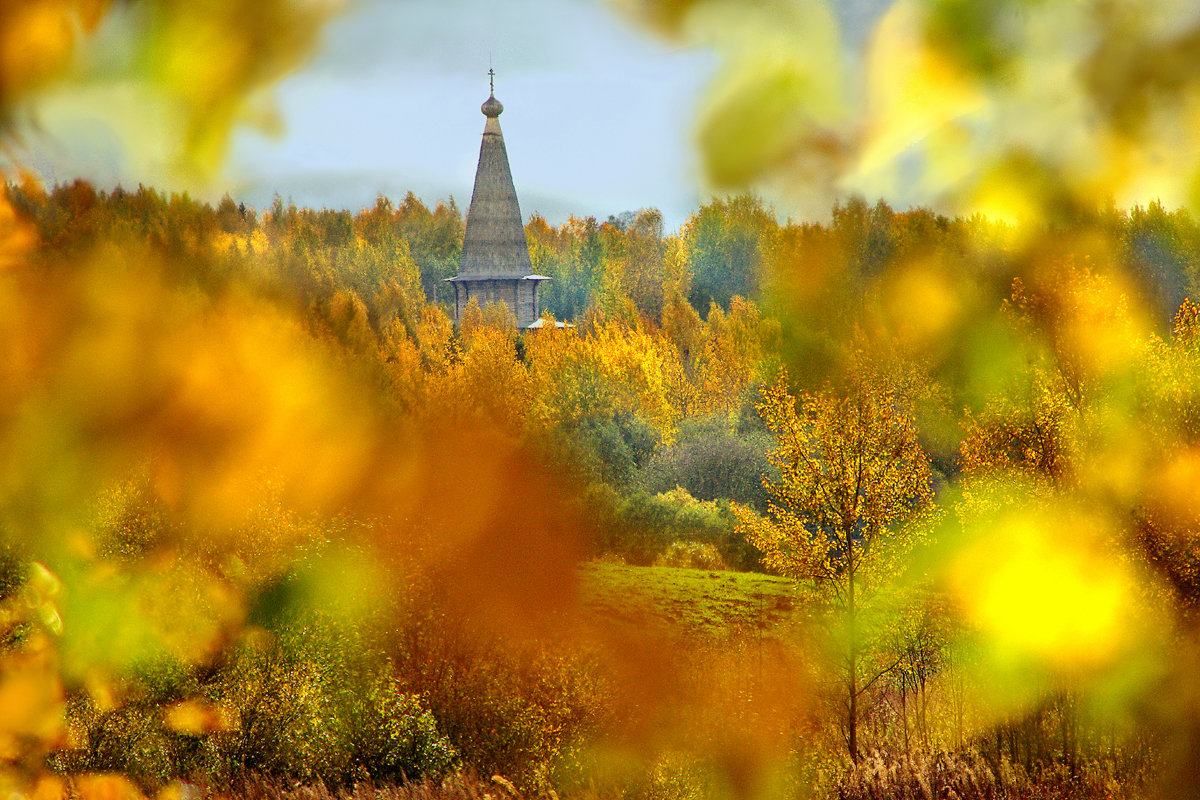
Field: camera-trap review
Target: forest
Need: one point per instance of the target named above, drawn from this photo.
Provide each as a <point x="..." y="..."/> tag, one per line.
<point x="272" y="520"/>
<point x="879" y="501"/>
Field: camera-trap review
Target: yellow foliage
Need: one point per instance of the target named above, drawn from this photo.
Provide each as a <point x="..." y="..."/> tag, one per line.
<point x="168" y="79"/>
<point x="851" y="475"/>
<point x="923" y="305"/>
<point x="614" y="368"/>
<point x="490" y="382"/>
<point x="917" y="95"/>
<point x="49" y="787"/>
<point x="16" y="237"/>
<point x="1039" y="585"/>
<point x="191" y="53"/>
<point x="37" y="41"/>
<point x="850" y="469"/>
<point x="780" y="95"/>
<point x="1173" y="494"/>
<point x="435" y="337"/>
<point x="31" y="699"/>
<point x="106" y="787"/>
<point x="197" y="718"/>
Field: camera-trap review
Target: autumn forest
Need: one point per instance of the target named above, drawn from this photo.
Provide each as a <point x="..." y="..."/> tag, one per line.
<point x="313" y="532"/>
<point x="821" y="494"/>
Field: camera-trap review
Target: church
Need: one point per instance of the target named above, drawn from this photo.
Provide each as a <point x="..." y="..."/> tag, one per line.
<point x="494" y="266"/>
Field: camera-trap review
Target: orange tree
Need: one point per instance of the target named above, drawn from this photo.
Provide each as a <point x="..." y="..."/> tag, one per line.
<point x="850" y="471"/>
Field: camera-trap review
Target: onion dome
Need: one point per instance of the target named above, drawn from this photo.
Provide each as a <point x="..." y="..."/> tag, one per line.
<point x="492" y="107"/>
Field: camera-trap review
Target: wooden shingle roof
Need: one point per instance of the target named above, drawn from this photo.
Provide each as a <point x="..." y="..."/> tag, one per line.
<point x="494" y="243"/>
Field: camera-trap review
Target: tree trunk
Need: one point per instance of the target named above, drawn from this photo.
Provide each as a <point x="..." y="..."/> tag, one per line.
<point x="850" y="621"/>
<point x="925" y="717"/>
<point x="960" y="702"/>
<point x="853" y="716"/>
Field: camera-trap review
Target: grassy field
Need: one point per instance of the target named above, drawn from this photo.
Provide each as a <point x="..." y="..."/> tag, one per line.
<point x="689" y="602"/>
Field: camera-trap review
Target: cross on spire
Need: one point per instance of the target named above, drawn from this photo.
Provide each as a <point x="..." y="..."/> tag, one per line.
<point x="492" y="80"/>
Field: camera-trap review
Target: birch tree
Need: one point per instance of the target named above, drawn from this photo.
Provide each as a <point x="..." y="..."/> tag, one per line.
<point x="850" y="471"/>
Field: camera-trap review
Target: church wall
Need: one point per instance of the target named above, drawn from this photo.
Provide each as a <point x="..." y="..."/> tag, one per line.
<point x="526" y="313"/>
<point x="519" y="295"/>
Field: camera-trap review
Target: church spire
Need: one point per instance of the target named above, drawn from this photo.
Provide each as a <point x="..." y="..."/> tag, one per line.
<point x="495" y="265"/>
<point x="494" y="241"/>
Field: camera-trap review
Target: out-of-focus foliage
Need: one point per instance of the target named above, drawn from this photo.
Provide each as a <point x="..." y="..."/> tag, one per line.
<point x="1018" y="110"/>
<point x="39" y="43"/>
<point x="523" y="709"/>
<point x="167" y="78"/>
<point x="265" y="507"/>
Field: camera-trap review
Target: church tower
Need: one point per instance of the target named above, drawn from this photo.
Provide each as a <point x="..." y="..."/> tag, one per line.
<point x="495" y="265"/>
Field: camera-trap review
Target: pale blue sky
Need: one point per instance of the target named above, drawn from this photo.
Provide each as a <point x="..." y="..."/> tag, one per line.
<point x="598" y="113"/>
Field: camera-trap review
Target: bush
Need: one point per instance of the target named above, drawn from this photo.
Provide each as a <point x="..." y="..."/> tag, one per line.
<point x="309" y="704"/>
<point x="712" y="462"/>
<point x="691" y="555"/>
<point x="523" y="711"/>
<point x="640" y="527"/>
<point x="612" y="449"/>
<point x="318" y="705"/>
<point x="675" y="776"/>
<point x="131" y="740"/>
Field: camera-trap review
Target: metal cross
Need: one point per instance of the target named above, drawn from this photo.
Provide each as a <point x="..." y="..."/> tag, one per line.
<point x="492" y="80"/>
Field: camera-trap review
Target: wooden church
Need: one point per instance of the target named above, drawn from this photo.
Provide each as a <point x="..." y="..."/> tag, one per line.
<point x="495" y="266"/>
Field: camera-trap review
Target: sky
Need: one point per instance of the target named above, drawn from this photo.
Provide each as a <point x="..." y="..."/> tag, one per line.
<point x="596" y="116"/>
<point x="598" y="113"/>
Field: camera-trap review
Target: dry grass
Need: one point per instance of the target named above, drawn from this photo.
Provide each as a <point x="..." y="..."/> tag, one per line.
<point x="460" y="786"/>
<point x="970" y="776"/>
<point x="927" y="776"/>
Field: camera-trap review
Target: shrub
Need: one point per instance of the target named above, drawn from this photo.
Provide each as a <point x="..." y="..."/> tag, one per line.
<point x="308" y="704"/>
<point x="519" y="710"/>
<point x="639" y="527"/>
<point x="319" y="705"/>
<point x="675" y="776"/>
<point x="131" y="740"/>
<point x="611" y="449"/>
<point x="712" y="462"/>
<point x="691" y="555"/>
